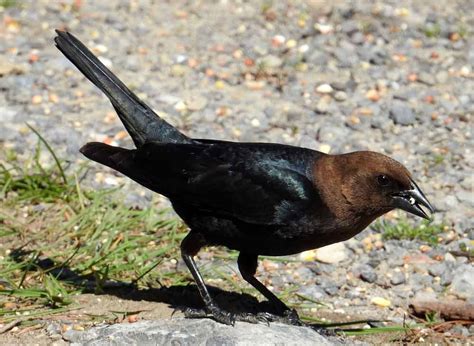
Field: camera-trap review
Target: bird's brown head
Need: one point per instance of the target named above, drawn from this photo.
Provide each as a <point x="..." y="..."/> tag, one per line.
<point x="373" y="184"/>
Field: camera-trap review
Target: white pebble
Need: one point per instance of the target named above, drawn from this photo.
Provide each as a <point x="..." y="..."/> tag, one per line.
<point x="303" y="48"/>
<point x="101" y="48"/>
<point x="323" y="28"/>
<point x="255" y="122"/>
<point x="325" y="89"/>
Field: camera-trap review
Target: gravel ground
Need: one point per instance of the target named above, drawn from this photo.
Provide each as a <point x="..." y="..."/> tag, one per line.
<point x="390" y="76"/>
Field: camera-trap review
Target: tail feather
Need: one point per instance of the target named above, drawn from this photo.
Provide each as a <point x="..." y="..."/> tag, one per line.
<point x="120" y="159"/>
<point x="113" y="157"/>
<point x="141" y="122"/>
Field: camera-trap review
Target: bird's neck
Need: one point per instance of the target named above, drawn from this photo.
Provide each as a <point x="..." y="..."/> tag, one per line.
<point x="329" y="178"/>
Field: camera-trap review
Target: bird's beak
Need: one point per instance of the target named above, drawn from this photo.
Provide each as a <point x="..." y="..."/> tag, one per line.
<point x="410" y="201"/>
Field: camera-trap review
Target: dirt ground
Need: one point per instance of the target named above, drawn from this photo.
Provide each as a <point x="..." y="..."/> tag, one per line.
<point x="100" y="308"/>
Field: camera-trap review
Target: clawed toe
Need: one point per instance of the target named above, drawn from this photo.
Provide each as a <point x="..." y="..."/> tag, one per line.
<point x="214" y="312"/>
<point x="261" y="317"/>
<point x="289" y="317"/>
<point x="195" y="313"/>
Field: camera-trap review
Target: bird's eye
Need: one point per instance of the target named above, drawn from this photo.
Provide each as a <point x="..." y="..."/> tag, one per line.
<point x="383" y="180"/>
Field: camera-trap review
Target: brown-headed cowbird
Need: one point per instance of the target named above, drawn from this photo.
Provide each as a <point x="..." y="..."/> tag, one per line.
<point x="257" y="198"/>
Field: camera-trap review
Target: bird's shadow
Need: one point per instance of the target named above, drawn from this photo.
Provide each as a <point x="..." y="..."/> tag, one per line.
<point x="177" y="297"/>
<point x="182" y="297"/>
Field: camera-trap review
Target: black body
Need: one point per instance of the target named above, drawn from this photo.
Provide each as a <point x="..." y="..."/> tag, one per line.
<point x="252" y="197"/>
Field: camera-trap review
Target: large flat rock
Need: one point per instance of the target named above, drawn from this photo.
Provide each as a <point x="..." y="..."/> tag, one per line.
<point x="181" y="331"/>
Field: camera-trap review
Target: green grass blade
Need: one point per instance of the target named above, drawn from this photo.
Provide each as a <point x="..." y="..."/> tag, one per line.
<point x="51" y="151"/>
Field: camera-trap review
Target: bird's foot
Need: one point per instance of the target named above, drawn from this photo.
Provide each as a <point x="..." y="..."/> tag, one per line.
<point x="213" y="312"/>
<point x="289" y="316"/>
<point x="229" y="318"/>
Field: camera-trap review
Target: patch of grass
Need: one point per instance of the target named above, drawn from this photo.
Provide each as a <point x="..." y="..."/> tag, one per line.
<point x="432" y="30"/>
<point x="432" y="317"/>
<point x="426" y="231"/>
<point x="463" y="30"/>
<point x="378" y="330"/>
<point x="434" y="160"/>
<point x="8" y="3"/>
<point x="33" y="183"/>
<point x="438" y="159"/>
<point x="53" y="293"/>
<point x="57" y="239"/>
<point x="266" y="6"/>
<point x="366" y="27"/>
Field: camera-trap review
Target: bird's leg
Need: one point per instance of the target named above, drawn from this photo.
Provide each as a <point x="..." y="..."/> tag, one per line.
<point x="248" y="266"/>
<point x="190" y="246"/>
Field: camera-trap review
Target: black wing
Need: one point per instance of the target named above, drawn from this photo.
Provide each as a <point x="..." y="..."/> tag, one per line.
<point x="255" y="183"/>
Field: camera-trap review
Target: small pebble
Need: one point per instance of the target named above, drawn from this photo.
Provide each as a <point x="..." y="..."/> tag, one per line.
<point x="397" y="278"/>
<point x="340" y="96"/>
<point x="333" y="253"/>
<point x="402" y="114"/>
<point x="37" y="99"/>
<point x="373" y="95"/>
<point x="368" y="275"/>
<point x="382" y="302"/>
<point x="324" y="89"/>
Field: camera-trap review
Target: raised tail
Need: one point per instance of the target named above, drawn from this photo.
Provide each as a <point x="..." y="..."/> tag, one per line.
<point x="141" y="122"/>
